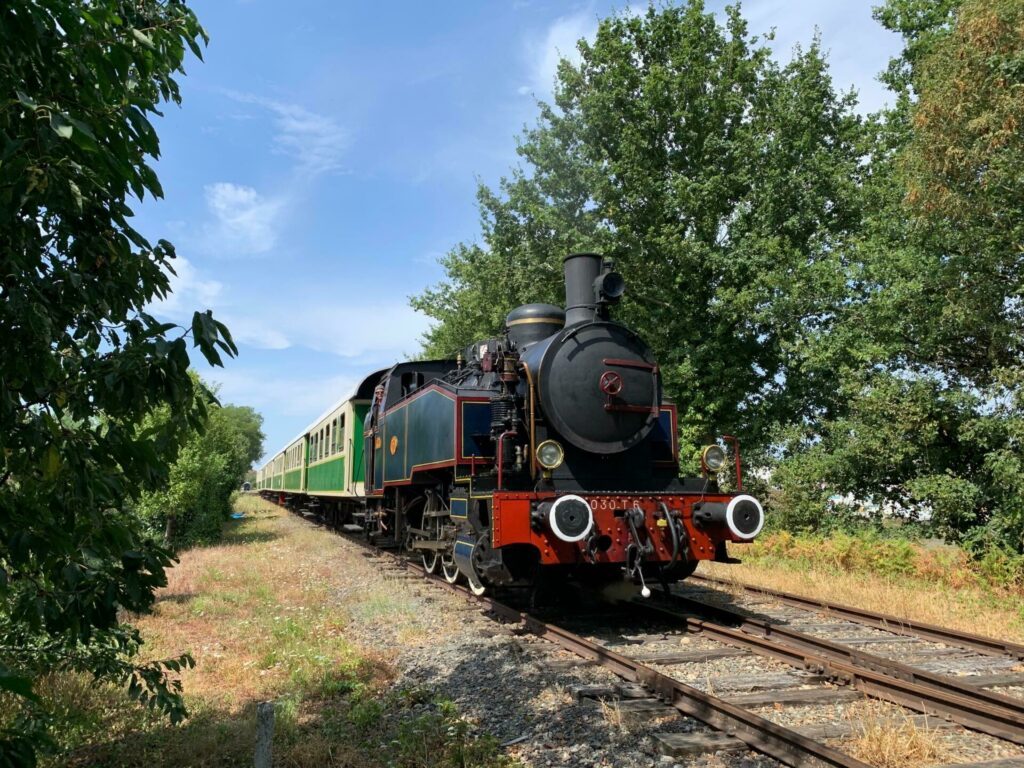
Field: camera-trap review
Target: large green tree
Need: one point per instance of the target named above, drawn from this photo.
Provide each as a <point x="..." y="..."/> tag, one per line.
<point x="933" y="420"/>
<point x="83" y="362"/>
<point x="724" y="184"/>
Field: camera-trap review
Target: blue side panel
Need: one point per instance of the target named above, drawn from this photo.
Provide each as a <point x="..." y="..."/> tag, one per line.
<point x="393" y="445"/>
<point x="419" y="432"/>
<point x="661" y="437"/>
<point x="460" y="508"/>
<point x="476" y="420"/>
<point x="663" y="429"/>
<point x="431" y="430"/>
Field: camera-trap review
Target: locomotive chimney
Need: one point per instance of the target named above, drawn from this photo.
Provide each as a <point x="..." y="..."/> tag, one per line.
<point x="591" y="286"/>
<point x="581" y="270"/>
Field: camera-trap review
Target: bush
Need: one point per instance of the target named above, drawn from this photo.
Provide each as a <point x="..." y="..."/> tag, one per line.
<point x="197" y="498"/>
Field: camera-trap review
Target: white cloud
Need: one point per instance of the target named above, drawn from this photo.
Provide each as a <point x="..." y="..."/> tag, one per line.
<point x="189" y="291"/>
<point x="384" y="330"/>
<point x="317" y="142"/>
<point x="558" y="42"/>
<point x="244" y="221"/>
<point x="303" y="396"/>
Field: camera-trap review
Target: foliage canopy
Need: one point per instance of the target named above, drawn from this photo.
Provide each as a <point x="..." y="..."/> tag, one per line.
<point x="192" y="507"/>
<point x="84" y="363"/>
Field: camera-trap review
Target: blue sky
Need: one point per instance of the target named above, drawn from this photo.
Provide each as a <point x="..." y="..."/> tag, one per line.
<point x="326" y="153"/>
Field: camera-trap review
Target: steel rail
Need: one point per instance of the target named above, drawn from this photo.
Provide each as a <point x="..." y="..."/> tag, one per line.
<point x="783" y="744"/>
<point x="920" y="690"/>
<point x="779" y="742"/>
<point x="888" y="622"/>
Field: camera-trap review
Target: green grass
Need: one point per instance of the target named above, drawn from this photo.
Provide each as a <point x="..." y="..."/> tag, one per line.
<point x="258" y="612"/>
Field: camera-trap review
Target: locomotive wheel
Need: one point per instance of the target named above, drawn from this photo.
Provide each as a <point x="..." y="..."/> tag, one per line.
<point x="449" y="568"/>
<point x="414" y="513"/>
<point x="431" y="559"/>
<point x="476" y="589"/>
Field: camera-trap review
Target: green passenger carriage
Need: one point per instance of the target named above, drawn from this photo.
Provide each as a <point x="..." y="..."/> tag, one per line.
<point x="324" y="463"/>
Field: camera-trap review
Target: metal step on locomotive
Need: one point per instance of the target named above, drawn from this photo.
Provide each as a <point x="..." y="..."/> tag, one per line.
<point x="549" y="451"/>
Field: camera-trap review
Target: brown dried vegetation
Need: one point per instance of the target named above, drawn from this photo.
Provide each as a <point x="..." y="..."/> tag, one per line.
<point x="266" y="615"/>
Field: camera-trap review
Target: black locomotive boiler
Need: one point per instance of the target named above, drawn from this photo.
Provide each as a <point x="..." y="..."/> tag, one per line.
<point x="549" y="449"/>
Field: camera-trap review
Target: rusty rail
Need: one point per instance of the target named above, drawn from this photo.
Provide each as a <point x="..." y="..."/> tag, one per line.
<point x="917" y="689"/>
<point x="889" y="623"/>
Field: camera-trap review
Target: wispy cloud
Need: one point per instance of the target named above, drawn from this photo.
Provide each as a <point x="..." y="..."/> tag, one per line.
<point x="557" y="42"/>
<point x="317" y="142"/>
<point x="384" y="330"/>
<point x="189" y="291"/>
<point x="244" y="222"/>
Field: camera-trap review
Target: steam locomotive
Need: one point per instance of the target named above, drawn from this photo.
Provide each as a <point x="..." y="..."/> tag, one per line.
<point x="549" y="450"/>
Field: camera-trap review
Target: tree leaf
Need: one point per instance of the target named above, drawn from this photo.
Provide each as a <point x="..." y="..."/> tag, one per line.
<point x="143" y="39"/>
<point x="17" y="684"/>
<point x="76" y="194"/>
<point x="60" y="125"/>
<point x="25" y="100"/>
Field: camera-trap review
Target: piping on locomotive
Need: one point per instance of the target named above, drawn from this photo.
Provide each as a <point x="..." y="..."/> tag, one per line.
<point x="549" y="449"/>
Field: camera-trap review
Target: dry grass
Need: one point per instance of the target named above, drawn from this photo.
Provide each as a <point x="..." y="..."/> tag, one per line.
<point x="551" y="699"/>
<point x="969" y="609"/>
<point x="265" y="616"/>
<point x="613" y="715"/>
<point x="887" y="738"/>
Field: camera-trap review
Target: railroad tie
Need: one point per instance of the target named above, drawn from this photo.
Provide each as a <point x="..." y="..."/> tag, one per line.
<point x="691" y="744"/>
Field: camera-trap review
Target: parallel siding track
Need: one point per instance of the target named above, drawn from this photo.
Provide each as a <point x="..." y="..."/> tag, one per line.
<point x="887" y="622"/>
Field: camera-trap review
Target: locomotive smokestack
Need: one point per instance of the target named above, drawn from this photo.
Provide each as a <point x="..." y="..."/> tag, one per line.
<point x="581" y="270"/>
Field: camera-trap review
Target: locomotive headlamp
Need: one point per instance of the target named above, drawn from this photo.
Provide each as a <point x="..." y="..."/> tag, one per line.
<point x="609" y="286"/>
<point x="550" y="454"/>
<point x="713" y="459"/>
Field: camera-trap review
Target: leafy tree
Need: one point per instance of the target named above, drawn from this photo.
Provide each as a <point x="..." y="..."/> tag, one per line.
<point x="724" y="184"/>
<point x="210" y="466"/>
<point x="84" y="362"/>
<point x="932" y="420"/>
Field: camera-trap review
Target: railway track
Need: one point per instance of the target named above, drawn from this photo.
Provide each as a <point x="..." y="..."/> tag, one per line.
<point x="651" y="684"/>
<point x="786" y="745"/>
<point x="889" y="623"/>
<point x="923" y="691"/>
